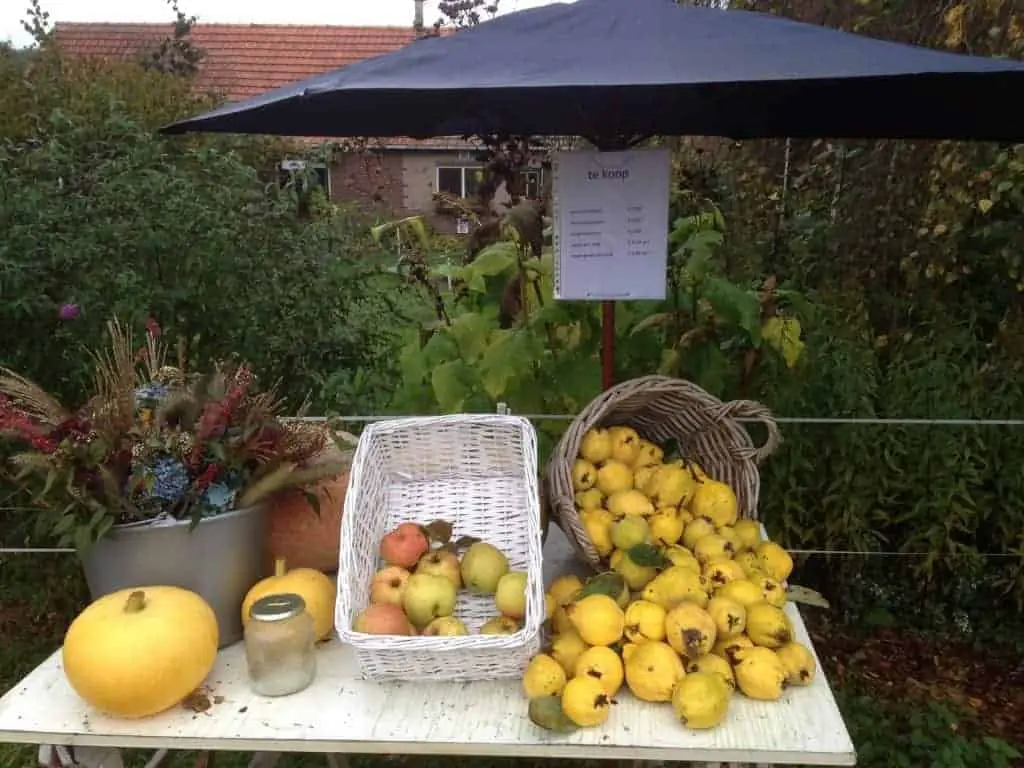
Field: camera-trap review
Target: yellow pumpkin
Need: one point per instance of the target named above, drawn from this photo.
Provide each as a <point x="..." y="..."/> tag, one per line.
<point x="137" y="652"/>
<point x="313" y="586"/>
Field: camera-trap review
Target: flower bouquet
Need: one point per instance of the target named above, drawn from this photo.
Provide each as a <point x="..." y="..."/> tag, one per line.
<point x="155" y="442"/>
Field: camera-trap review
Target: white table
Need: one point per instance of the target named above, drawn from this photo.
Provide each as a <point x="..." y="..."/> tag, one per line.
<point x="342" y="714"/>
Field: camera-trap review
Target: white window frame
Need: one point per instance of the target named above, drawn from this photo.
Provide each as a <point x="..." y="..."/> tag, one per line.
<point x="454" y="167"/>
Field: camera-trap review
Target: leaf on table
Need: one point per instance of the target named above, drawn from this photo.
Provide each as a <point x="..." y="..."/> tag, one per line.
<point x="197" y="701"/>
<point x="546" y="712"/>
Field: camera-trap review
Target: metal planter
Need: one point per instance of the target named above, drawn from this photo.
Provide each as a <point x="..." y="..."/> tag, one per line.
<point x="220" y="560"/>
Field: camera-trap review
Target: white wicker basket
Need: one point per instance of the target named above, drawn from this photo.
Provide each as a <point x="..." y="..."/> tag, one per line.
<point x="478" y="472"/>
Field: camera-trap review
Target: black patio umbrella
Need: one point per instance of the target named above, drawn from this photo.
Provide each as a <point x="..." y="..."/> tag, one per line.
<point x="614" y="69"/>
<point x="618" y="71"/>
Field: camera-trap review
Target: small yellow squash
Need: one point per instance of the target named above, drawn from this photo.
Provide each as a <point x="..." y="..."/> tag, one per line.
<point x="313" y="586"/>
<point x="137" y="652"/>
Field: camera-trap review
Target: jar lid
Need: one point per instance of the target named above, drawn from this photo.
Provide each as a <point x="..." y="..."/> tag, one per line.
<point x="277" y="607"/>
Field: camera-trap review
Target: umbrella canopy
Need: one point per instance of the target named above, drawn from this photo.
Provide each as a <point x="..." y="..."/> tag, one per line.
<point x="636" y="68"/>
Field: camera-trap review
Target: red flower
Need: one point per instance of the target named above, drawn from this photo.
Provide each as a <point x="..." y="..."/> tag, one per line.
<point x="152" y="327"/>
<point x="15" y="422"/>
<point x="205" y="480"/>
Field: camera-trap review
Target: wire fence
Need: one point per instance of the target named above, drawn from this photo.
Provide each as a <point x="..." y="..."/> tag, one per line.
<point x="812" y="420"/>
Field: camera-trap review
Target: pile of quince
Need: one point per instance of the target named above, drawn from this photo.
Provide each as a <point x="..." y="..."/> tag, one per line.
<point x="690" y="610"/>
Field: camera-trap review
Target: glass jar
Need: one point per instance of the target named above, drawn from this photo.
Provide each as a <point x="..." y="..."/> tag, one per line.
<point x="280" y="645"/>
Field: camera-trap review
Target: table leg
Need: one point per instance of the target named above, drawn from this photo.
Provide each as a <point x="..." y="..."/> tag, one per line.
<point x="337" y="761"/>
<point x="58" y="756"/>
<point x="265" y="760"/>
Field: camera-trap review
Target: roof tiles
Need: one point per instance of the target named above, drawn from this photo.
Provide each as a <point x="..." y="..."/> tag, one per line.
<point x="242" y="60"/>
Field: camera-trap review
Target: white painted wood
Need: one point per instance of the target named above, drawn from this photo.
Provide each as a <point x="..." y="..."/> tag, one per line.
<point x="343" y="714"/>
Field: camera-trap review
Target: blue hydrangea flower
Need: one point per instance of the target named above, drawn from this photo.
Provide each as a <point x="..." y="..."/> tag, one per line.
<point x="219" y="497"/>
<point x="149" y="394"/>
<point x="170" y="479"/>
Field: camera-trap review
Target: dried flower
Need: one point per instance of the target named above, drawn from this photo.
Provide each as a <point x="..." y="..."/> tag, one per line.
<point x="153" y="441"/>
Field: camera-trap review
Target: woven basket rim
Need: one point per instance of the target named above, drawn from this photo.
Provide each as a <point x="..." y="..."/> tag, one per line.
<point x="603" y="411"/>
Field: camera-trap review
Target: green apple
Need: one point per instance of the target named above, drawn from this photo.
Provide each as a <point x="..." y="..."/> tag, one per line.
<point x="445" y="626"/>
<point x="482" y="567"/>
<point x="500" y="625"/>
<point x="441" y="562"/>
<point x="428" y="596"/>
<point x="510" y="595"/>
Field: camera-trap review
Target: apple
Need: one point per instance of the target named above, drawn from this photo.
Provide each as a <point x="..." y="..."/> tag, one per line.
<point x="427" y="597"/>
<point x="383" y="619"/>
<point x="404" y="546"/>
<point x="510" y="595"/>
<point x="482" y="567"/>
<point x="445" y="626"/>
<point x="500" y="625"/>
<point x="441" y="562"/>
<point x="388" y="584"/>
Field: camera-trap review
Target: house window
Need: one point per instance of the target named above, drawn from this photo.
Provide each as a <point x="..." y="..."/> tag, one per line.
<point x="460" y="181"/>
<point x="308" y="175"/>
<point x="532" y="184"/>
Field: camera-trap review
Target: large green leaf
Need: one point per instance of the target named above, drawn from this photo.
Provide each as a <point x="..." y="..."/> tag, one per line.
<point x="509" y="354"/>
<point x="453" y="384"/>
<point x="495" y="259"/>
<point x="733" y="304"/>
<point x="470" y="332"/>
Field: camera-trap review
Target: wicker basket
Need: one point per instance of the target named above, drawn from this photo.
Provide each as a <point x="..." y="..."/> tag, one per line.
<point x="478" y="472"/>
<point x="660" y="408"/>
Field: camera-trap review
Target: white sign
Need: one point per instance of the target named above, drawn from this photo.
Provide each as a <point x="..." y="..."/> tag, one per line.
<point x="611" y="224"/>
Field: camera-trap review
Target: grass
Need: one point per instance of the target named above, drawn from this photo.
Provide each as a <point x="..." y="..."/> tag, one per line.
<point x="910" y="700"/>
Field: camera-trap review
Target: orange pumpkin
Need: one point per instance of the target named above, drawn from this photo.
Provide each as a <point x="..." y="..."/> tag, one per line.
<point x="298" y="534"/>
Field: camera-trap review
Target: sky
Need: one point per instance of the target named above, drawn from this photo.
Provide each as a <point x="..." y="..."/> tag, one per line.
<point x="354" y="12"/>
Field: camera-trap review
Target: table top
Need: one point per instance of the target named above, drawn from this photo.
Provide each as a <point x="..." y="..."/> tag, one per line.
<point x="341" y="713"/>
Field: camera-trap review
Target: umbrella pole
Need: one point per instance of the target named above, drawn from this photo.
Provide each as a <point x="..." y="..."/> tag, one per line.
<point x="607" y="344"/>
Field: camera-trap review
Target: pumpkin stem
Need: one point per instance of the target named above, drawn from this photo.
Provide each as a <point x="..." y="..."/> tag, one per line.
<point x="136" y="602"/>
<point x="279" y="569"/>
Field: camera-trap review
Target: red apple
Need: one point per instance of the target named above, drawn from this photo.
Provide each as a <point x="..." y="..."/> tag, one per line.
<point x="383" y="619"/>
<point x="388" y="585"/>
<point x="441" y="562"/>
<point x="404" y="546"/>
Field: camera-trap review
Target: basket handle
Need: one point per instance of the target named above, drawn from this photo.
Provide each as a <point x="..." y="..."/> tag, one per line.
<point x="750" y="410"/>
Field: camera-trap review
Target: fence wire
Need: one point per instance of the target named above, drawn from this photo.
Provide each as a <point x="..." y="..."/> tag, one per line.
<point x="819" y="420"/>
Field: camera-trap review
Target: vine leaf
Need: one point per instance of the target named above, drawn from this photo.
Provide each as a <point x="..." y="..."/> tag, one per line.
<point x="452" y="384"/>
<point x="495" y="259"/>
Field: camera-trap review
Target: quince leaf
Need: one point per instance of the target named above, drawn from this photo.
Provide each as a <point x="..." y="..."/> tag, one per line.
<point x="608" y="583"/>
<point x="647" y="555"/>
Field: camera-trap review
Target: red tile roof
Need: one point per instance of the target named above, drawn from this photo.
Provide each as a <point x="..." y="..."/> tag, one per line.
<point x="243" y="60"/>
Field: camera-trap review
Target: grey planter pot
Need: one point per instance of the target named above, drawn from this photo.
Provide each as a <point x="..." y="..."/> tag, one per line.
<point x="220" y="560"/>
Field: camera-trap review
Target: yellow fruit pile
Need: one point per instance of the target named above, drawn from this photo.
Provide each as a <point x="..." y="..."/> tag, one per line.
<point x="691" y="610"/>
